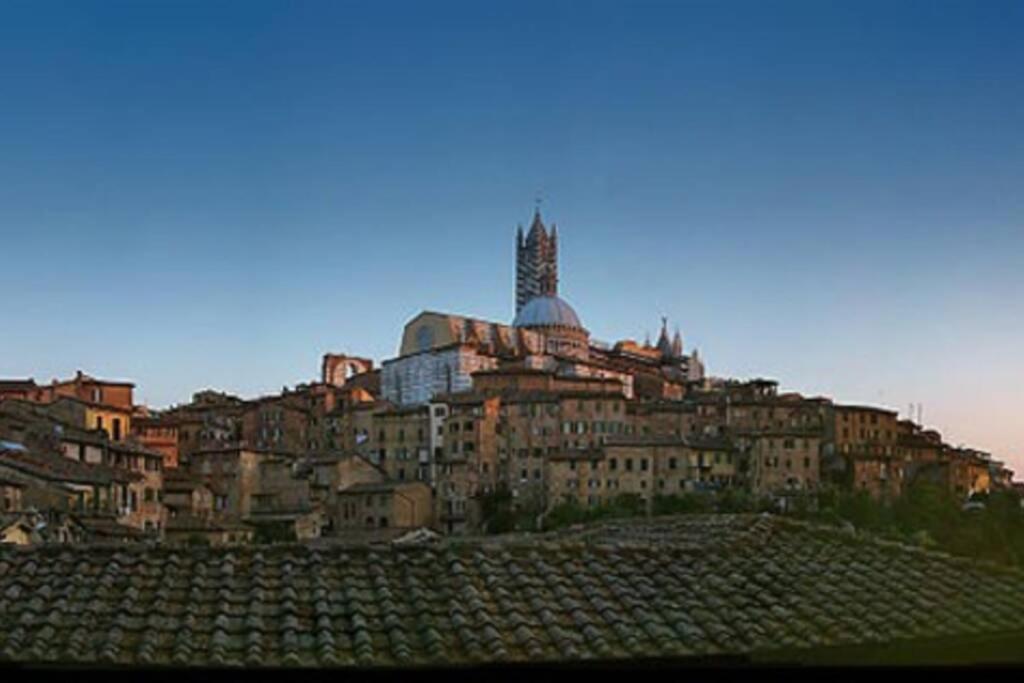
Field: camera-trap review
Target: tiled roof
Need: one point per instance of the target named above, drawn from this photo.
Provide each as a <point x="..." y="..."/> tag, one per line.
<point x="691" y="586"/>
<point x="17" y="384"/>
<point x="54" y="467"/>
<point x="186" y="522"/>
<point x="107" y="527"/>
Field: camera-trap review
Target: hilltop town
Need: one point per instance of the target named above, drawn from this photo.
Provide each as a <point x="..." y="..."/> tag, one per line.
<point x="535" y="413"/>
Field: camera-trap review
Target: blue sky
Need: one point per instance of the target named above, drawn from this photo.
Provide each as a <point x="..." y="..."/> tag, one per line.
<point x="199" y="194"/>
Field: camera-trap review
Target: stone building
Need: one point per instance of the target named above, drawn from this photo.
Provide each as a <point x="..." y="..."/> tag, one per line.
<point x="21" y="389"/>
<point x="259" y="487"/>
<point x="465" y="460"/>
<point x="49" y="482"/>
<point x="784" y="461"/>
<point x="390" y="505"/>
<point x="10" y="495"/>
<point x="134" y="489"/>
<point x="400" y="442"/>
<point x="158" y="434"/>
<point x="275" y="422"/>
<point x="143" y="508"/>
<point x="865" y="453"/>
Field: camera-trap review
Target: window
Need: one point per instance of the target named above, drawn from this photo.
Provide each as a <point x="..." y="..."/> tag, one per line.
<point x="99" y="422"/>
<point x="629" y="464"/>
<point x="672" y="463"/>
<point x="613" y="463"/>
<point x="149" y="496"/>
<point x="807" y="463"/>
<point x="117" y="429"/>
<point x="643" y="464"/>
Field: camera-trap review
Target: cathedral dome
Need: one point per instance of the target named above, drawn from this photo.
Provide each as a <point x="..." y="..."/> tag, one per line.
<point x="544" y="311"/>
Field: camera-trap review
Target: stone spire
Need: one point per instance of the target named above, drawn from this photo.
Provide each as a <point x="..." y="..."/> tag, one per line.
<point x="664" y="345"/>
<point x="677" y="344"/>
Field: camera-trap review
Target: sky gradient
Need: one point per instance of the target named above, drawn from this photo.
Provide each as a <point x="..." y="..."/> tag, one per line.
<point x="212" y="194"/>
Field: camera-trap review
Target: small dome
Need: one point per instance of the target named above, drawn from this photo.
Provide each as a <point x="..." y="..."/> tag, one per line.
<point x="547" y="310"/>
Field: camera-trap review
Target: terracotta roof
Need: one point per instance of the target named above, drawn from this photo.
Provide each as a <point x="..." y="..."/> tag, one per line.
<point x="379" y="486"/>
<point x="184" y="522"/>
<point x="54" y="467"/>
<point x="180" y="481"/>
<point x="692" y="586"/>
<point x="17" y="384"/>
<point x="108" y="527"/>
<point x="864" y="409"/>
<point x="59" y="398"/>
<point x="638" y="440"/>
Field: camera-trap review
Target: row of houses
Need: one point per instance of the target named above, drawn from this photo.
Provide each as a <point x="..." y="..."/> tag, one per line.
<point x="332" y="458"/>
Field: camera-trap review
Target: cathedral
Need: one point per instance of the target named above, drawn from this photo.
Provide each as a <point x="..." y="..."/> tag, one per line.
<point x="440" y="352"/>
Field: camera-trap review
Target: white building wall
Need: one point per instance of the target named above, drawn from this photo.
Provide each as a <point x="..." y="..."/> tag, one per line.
<point x="415" y="379"/>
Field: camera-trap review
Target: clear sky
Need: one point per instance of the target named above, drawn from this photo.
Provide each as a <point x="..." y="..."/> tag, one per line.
<point x="213" y="194"/>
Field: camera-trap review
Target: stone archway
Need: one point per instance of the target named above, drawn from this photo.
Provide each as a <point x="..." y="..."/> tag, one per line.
<point x="337" y="369"/>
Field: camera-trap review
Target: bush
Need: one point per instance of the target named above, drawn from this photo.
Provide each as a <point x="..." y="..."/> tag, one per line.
<point x="197" y="540"/>
<point x="569" y="513"/>
<point x="735" y="500"/>
<point x="684" y="503"/>
<point x="928" y="515"/>
<point x="283" y="532"/>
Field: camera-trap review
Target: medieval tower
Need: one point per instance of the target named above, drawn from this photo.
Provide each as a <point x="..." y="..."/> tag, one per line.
<point x="536" y="262"/>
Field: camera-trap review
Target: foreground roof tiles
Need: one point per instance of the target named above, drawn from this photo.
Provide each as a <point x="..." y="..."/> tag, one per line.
<point x="692" y="586"/>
